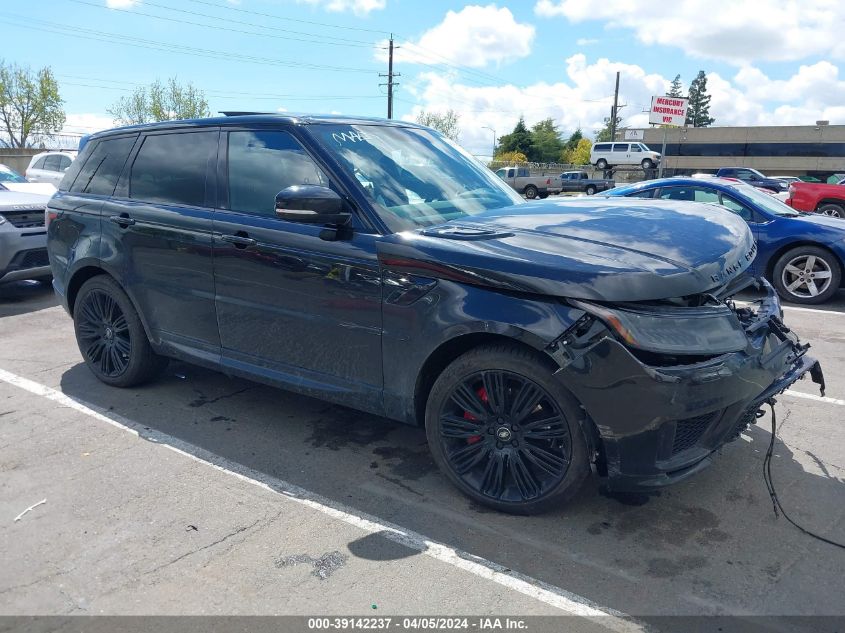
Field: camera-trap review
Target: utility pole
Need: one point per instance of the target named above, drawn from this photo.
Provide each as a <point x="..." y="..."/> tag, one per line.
<point x="390" y="76"/>
<point x="614" y="110"/>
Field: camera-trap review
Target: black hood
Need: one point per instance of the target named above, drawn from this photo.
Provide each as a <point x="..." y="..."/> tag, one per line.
<point x="605" y="249"/>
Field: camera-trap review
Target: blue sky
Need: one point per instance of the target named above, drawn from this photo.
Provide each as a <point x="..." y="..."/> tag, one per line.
<point x="769" y="62"/>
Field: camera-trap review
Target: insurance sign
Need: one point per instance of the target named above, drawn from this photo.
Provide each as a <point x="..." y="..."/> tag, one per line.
<point x="668" y="111"/>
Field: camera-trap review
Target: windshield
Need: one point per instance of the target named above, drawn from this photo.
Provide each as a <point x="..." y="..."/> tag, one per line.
<point x="767" y="201"/>
<point x="415" y="177"/>
<point x="7" y="175"/>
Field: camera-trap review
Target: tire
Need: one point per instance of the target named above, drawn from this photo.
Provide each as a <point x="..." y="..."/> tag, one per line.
<point x="491" y="458"/>
<point x="590" y="190"/>
<point x="111" y="337"/>
<point x="831" y="210"/>
<point x="543" y="196"/>
<point x="601" y="163"/>
<point x="531" y="192"/>
<point x="790" y="275"/>
<point x="647" y="163"/>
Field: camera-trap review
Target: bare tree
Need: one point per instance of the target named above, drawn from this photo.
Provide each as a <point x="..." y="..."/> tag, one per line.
<point x="447" y="123"/>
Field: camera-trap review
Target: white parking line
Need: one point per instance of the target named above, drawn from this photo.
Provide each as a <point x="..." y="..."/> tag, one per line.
<point x="814" y="310"/>
<point x="812" y="396"/>
<point x="566" y="601"/>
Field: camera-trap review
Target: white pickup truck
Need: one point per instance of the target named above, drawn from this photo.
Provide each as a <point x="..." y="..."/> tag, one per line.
<point x="531" y="187"/>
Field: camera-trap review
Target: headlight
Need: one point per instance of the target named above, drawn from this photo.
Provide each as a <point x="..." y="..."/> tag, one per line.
<point x="676" y="331"/>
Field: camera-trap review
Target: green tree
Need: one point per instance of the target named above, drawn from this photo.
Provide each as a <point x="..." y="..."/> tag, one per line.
<point x="546" y="143"/>
<point x="581" y="154"/>
<point x="676" y="88"/>
<point x="30" y="103"/>
<point x="574" y="139"/>
<point x="160" y="102"/>
<point x="698" y="111"/>
<point x="604" y="135"/>
<point x="447" y="123"/>
<point x="517" y="141"/>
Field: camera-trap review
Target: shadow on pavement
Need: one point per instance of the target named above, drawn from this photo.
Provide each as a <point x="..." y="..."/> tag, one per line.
<point x="708" y="545"/>
<point x="21" y="297"/>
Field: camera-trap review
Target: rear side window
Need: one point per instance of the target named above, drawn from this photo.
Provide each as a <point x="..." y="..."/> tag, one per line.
<point x="103" y="167"/>
<point x="261" y="164"/>
<point x="620" y="147"/>
<point x="172" y="168"/>
<point x="51" y="163"/>
<point x="39" y="164"/>
<point x="602" y="147"/>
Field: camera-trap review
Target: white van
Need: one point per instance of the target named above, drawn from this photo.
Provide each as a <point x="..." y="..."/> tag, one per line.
<point x="604" y="155"/>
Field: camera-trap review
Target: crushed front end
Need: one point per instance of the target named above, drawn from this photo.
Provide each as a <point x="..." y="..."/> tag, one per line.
<point x="667" y="383"/>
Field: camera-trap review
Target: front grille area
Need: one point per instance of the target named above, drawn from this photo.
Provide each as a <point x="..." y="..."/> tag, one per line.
<point x="25" y="219"/>
<point x="34" y="258"/>
<point x="690" y="430"/>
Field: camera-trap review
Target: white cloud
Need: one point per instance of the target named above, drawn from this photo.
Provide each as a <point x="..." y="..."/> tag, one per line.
<point x="358" y="7"/>
<point x="737" y="32"/>
<point x="473" y="36"/>
<point x="586" y="41"/>
<point x="121" y="4"/>
<point x="584" y="99"/>
<point x="86" y="123"/>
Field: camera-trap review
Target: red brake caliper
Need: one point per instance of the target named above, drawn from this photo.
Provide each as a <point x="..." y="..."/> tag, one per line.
<point x="482" y="393"/>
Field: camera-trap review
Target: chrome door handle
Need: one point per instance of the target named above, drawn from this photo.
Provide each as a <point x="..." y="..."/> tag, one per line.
<point x="122" y="220"/>
<point x="240" y="241"/>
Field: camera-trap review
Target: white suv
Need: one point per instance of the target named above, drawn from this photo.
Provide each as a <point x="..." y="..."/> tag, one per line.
<point x="49" y="167"/>
<point x="604" y="155"/>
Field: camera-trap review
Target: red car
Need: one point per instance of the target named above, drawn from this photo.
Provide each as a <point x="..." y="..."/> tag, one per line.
<point x="818" y="197"/>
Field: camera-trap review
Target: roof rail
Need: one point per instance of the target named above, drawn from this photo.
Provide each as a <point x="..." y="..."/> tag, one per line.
<point x="237" y="113"/>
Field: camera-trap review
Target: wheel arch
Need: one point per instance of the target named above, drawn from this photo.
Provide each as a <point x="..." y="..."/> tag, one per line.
<point x="839" y="202"/>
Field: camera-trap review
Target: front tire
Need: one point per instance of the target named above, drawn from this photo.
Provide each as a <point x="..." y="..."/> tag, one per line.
<point x="601" y="163"/>
<point x="832" y="210"/>
<point x="111" y="337"/>
<point x="647" y="163"/>
<point x="807" y="274"/>
<point x="590" y="190"/>
<point x="506" y="432"/>
<point x="531" y="192"/>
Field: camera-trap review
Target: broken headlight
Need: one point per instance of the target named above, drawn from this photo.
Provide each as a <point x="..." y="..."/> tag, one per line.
<point x="673" y="330"/>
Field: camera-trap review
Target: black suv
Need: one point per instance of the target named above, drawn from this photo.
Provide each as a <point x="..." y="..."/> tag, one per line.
<point x="377" y="265"/>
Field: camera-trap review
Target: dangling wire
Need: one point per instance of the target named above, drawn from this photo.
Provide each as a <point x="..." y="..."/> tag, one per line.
<point x="777" y="508"/>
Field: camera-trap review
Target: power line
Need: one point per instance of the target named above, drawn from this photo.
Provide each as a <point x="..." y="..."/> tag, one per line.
<point x="311" y="36"/>
<point x="135" y="42"/>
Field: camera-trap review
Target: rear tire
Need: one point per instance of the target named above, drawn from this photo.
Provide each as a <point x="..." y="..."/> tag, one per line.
<point x="531" y="192"/>
<point x="111" y="337"/>
<point x="804" y="270"/>
<point x="832" y="210"/>
<point x="506" y="432"/>
<point x="601" y="163"/>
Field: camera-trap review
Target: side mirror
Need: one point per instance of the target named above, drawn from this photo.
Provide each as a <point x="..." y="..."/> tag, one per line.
<point x="311" y="204"/>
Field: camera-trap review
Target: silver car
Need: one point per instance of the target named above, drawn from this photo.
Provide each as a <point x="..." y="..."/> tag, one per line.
<point x="23" y="238"/>
<point x="49" y="166"/>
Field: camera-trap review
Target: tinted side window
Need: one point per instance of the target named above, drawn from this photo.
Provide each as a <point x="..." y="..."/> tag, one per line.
<point x="64" y="162"/>
<point x="645" y="193"/>
<point x="39" y="164"/>
<point x="102" y="169"/>
<point x="602" y="147"/>
<point x="261" y="164"/>
<point x="737" y="207"/>
<point x="172" y="168"/>
<point x="620" y="147"/>
<point x="51" y="163"/>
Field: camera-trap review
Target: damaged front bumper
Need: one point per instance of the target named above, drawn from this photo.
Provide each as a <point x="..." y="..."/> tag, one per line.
<point x="655" y="423"/>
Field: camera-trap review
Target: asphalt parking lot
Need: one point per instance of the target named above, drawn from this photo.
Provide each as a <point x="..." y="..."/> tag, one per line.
<point x="276" y="503"/>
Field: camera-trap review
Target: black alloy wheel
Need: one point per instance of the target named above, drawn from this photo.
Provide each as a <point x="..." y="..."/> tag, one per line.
<point x="110" y="335"/>
<point x="103" y="334"/>
<point x="503" y="437"/>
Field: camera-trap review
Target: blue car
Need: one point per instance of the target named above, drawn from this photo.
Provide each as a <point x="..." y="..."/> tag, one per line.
<point x="803" y="256"/>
